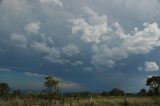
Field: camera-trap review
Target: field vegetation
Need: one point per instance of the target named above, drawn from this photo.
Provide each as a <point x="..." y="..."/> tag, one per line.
<point x="53" y="96"/>
<point x="102" y="101"/>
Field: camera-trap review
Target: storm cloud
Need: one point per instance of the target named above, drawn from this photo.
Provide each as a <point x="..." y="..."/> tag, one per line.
<point x="71" y="39"/>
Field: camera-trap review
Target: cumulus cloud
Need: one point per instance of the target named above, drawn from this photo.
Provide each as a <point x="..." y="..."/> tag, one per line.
<point x="34" y="74"/>
<point x="70" y="50"/>
<point x="140" y="42"/>
<point x="33" y="27"/>
<point x="91" y="29"/>
<point x="151" y="66"/>
<point x="46" y="38"/>
<point x="77" y="63"/>
<point x="52" y="59"/>
<point x="44" y="48"/>
<point x="111" y="43"/>
<point x="53" y="54"/>
<point x="19" y="39"/>
<point x="52" y="2"/>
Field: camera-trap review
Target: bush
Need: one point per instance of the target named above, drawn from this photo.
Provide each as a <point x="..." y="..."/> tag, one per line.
<point x="142" y="92"/>
<point x="117" y="92"/>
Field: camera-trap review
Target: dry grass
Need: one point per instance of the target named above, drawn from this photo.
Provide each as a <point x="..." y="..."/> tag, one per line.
<point x="108" y="101"/>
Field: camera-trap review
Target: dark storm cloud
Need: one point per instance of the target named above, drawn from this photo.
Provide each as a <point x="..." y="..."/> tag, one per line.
<point x="56" y="37"/>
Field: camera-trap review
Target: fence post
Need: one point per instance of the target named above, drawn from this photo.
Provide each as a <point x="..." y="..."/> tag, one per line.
<point x="70" y="102"/>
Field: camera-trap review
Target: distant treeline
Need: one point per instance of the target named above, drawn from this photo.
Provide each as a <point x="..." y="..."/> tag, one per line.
<point x="113" y="92"/>
<point x="6" y="93"/>
<point x="86" y="94"/>
<point x="52" y="91"/>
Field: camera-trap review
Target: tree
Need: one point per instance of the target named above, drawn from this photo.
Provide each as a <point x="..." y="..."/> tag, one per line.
<point x="104" y="93"/>
<point x="117" y="92"/>
<point x="154" y="83"/>
<point x="142" y="92"/>
<point x="150" y="92"/>
<point x="4" y="90"/>
<point x="16" y="94"/>
<point x="51" y="85"/>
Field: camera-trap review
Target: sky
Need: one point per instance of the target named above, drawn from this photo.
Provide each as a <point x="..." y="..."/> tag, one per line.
<point x="91" y="45"/>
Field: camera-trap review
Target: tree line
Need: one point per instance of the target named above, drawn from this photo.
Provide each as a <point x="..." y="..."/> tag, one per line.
<point x="52" y="90"/>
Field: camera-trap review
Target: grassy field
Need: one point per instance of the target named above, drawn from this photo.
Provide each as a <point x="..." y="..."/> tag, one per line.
<point x="107" y="101"/>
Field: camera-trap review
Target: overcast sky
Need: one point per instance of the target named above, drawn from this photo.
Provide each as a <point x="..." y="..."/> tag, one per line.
<point x="92" y="45"/>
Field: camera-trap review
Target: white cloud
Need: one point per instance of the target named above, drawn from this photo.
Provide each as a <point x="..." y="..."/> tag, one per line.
<point x="121" y="45"/>
<point x="52" y="51"/>
<point x="34" y="74"/>
<point x="110" y="42"/>
<point x="52" y="59"/>
<point x="143" y="41"/>
<point x="70" y="50"/>
<point x="19" y="39"/>
<point x="53" y="54"/>
<point x="77" y="63"/>
<point x="33" y="27"/>
<point x="102" y="60"/>
<point x="151" y="66"/>
<point x="91" y="30"/>
<point x="52" y="2"/>
<point x="140" y="68"/>
<point x="47" y="39"/>
<point x="6" y="69"/>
